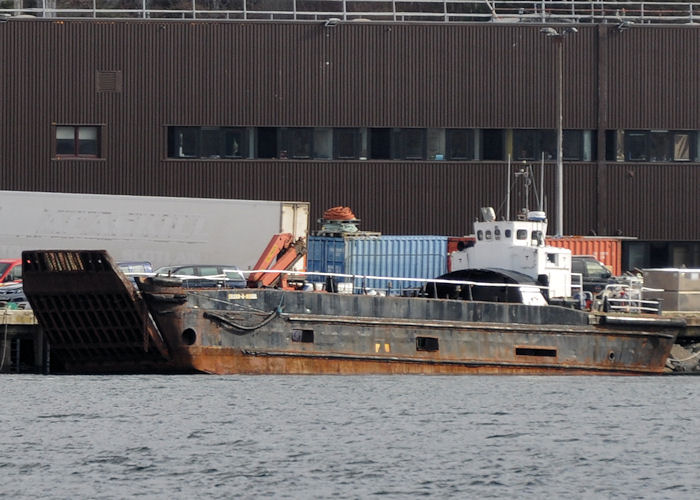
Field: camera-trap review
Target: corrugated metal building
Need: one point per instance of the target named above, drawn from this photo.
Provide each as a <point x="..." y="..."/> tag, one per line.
<point x="223" y="109"/>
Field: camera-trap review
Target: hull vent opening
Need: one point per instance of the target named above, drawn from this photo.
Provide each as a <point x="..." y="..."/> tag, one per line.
<point x="427" y="344"/>
<point x="306" y="336"/>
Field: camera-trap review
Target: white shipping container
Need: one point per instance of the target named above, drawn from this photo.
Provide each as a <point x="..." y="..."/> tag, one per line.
<point x="161" y="230"/>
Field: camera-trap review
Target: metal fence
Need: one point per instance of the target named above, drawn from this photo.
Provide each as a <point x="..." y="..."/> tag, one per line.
<point x="335" y="11"/>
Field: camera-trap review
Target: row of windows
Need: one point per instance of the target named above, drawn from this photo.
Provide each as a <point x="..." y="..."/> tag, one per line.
<point x="303" y="143"/>
<point x="520" y="234"/>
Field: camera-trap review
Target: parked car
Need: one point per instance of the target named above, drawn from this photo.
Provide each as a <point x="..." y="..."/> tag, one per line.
<point x="143" y="267"/>
<point x="594" y="274"/>
<point x="205" y="275"/>
<point x="10" y="270"/>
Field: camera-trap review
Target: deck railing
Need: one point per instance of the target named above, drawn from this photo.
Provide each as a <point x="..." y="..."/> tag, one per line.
<point x="332" y="12"/>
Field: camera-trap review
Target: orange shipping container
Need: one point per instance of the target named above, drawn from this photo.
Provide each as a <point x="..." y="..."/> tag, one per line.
<point x="606" y="250"/>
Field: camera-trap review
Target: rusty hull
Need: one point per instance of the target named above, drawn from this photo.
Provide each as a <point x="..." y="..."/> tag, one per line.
<point x="352" y="345"/>
<point x="97" y="322"/>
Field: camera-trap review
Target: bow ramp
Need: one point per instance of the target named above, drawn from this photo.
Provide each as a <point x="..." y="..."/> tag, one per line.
<point x="91" y="313"/>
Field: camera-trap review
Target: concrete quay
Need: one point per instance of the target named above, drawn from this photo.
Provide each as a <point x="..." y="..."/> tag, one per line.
<point x="23" y="348"/>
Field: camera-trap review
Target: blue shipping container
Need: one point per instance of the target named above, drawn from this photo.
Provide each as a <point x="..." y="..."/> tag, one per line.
<point x="386" y="256"/>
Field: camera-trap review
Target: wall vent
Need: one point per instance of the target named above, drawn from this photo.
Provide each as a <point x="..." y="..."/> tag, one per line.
<point x="109" y="81"/>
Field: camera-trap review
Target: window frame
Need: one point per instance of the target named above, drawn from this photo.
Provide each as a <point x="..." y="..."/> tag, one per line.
<point x="76" y="141"/>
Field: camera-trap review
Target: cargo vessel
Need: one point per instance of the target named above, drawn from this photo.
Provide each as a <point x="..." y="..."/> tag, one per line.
<point x="98" y="320"/>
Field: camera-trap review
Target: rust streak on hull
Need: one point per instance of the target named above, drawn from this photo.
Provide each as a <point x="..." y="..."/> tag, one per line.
<point x="232" y="361"/>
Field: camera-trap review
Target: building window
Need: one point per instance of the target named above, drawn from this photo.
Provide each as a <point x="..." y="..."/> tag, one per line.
<point x="347" y="143"/>
<point x="323" y="143"/>
<point x="681" y="147"/>
<point x="492" y="144"/>
<point x="576" y="145"/>
<point x="408" y="143"/>
<point x="436" y="144"/>
<point x="296" y="143"/>
<point x="266" y="142"/>
<point x="183" y="142"/>
<point x="660" y="146"/>
<point x="636" y="146"/>
<point x="651" y="145"/>
<point x="460" y="144"/>
<point x="80" y="141"/>
<point x="531" y="144"/>
<point x="207" y="142"/>
<point x="380" y="143"/>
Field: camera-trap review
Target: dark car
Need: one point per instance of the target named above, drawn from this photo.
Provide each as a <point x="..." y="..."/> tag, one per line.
<point x="593" y="272"/>
<point x="205" y="275"/>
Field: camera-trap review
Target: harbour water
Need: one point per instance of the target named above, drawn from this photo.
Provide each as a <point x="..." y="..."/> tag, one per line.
<point x="349" y="437"/>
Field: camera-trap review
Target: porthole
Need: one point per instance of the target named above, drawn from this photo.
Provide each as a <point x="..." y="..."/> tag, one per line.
<point x="189" y="336"/>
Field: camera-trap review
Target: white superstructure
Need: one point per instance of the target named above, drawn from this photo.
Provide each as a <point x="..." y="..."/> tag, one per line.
<point x="517" y="245"/>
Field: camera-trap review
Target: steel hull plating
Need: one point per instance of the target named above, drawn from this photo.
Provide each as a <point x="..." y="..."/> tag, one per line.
<point x="97" y="322"/>
<point x="271" y="331"/>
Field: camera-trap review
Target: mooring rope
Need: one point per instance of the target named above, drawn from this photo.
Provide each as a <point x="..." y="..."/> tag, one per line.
<point x="272" y="315"/>
<point x="685" y="359"/>
<point x="237" y="326"/>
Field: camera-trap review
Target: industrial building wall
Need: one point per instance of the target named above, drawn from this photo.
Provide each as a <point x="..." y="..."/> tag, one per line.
<point x="133" y="79"/>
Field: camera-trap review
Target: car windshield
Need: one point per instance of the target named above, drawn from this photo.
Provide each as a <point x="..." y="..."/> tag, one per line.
<point x="3" y="268"/>
<point x="597" y="270"/>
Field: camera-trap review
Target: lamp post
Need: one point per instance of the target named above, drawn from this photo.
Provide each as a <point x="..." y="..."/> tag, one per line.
<point x="558" y="37"/>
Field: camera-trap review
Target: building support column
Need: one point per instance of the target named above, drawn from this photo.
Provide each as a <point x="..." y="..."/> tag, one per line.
<point x="601" y="195"/>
